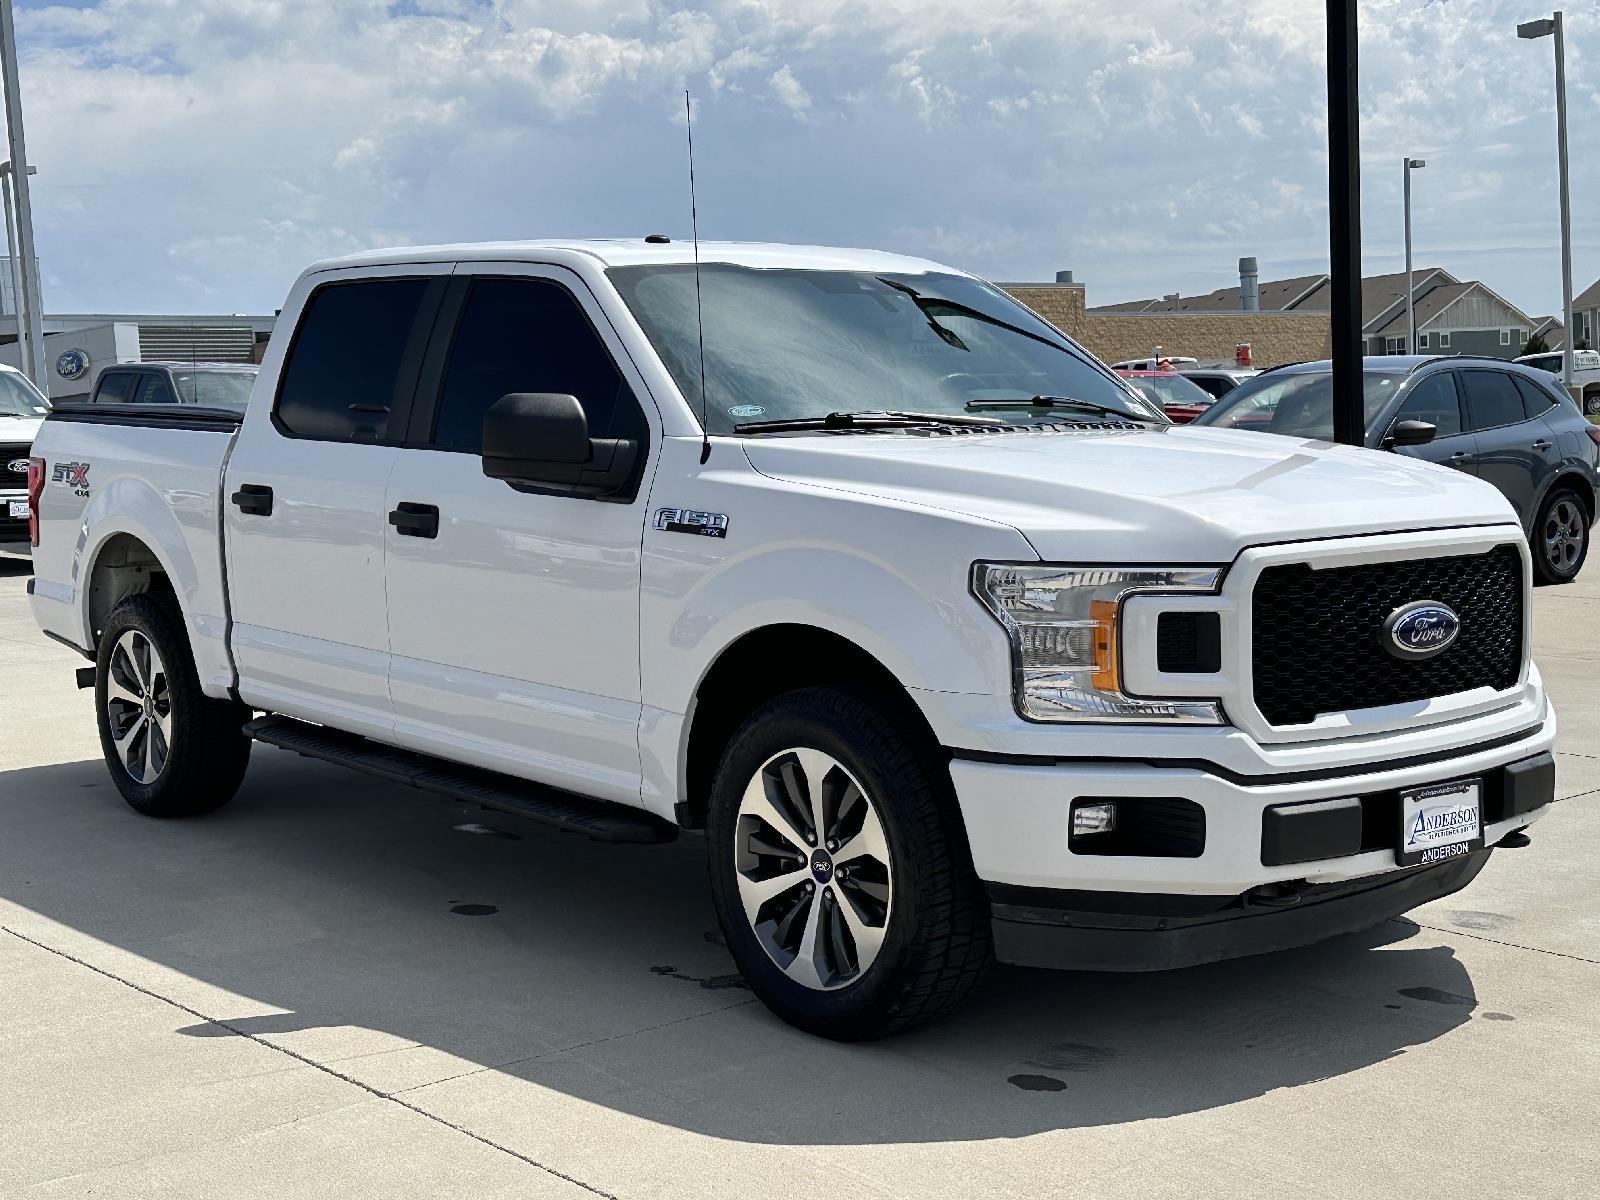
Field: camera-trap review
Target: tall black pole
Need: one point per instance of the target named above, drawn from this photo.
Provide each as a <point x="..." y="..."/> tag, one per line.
<point x="1344" y="221"/>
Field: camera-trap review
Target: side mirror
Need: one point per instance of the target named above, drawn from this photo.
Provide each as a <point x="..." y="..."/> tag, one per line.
<point x="539" y="441"/>
<point x="1411" y="433"/>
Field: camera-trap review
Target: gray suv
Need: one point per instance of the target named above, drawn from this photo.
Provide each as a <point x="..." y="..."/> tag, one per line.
<point x="1508" y="424"/>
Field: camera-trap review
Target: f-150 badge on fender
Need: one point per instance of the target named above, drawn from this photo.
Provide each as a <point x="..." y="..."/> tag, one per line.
<point x="687" y="520"/>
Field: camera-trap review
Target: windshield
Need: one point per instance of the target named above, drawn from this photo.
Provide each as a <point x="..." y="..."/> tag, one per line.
<point x="1298" y="404"/>
<point x="19" y="398"/>
<point x="794" y="344"/>
<point x="1171" y="389"/>
<point x="215" y="389"/>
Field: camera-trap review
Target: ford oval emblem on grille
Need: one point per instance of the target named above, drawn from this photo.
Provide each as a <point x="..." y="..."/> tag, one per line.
<point x="1421" y="629"/>
<point x="18" y="466"/>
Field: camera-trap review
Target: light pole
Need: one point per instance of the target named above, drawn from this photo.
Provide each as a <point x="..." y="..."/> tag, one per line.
<point x="1411" y="164"/>
<point x="30" y="309"/>
<point x="1344" y="223"/>
<point x="1539" y="29"/>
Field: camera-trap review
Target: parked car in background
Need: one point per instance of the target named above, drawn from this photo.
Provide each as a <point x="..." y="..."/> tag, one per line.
<point x="207" y="384"/>
<point x="1218" y="381"/>
<point x="1178" y="397"/>
<point x="1511" y="425"/>
<point x="1585" y="373"/>
<point x="1167" y="362"/>
<point x="23" y="409"/>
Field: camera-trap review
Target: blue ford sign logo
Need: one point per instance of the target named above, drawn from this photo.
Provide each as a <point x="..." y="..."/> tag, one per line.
<point x="72" y="364"/>
<point x="1421" y="629"/>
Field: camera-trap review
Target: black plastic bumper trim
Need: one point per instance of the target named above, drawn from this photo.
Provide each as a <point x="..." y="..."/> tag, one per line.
<point x="1098" y="941"/>
<point x="1243" y="778"/>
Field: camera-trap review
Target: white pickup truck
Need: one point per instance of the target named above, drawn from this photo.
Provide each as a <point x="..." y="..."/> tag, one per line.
<point x="952" y="646"/>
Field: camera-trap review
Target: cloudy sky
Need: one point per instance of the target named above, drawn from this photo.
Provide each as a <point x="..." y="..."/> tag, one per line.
<point x="193" y="155"/>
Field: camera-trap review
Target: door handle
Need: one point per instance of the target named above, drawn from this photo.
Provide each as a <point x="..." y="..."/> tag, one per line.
<point x="1541" y="444"/>
<point x="1458" y="454"/>
<point x="416" y="520"/>
<point x="254" y="499"/>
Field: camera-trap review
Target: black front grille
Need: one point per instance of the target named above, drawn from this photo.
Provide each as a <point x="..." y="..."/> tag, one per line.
<point x="1318" y="634"/>
<point x="13" y="481"/>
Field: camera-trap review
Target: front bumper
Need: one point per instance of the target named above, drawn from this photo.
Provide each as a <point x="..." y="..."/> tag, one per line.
<point x="11" y="530"/>
<point x="1017" y="816"/>
<point x="1087" y="940"/>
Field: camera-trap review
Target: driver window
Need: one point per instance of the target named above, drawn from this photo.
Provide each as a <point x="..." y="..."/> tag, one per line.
<point x="1434" y="400"/>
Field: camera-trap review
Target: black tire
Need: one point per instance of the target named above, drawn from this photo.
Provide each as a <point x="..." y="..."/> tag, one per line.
<point x="204" y="759"/>
<point x="935" y="936"/>
<point x="1560" y="537"/>
<point x="1591" y="404"/>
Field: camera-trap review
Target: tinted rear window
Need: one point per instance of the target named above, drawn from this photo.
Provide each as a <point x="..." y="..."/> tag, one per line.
<point x="340" y="380"/>
<point x="1492" y="399"/>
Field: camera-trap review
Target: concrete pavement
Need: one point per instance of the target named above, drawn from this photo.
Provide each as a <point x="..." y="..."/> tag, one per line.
<point x="334" y="987"/>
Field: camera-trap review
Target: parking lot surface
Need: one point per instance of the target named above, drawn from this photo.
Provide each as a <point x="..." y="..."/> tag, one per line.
<point x="336" y="987"/>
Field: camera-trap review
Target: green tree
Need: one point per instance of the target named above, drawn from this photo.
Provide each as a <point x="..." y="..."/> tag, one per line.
<point x="1536" y="345"/>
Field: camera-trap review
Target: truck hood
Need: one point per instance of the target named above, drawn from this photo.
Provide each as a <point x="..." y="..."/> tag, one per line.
<point x="1168" y="494"/>
<point x="19" y="431"/>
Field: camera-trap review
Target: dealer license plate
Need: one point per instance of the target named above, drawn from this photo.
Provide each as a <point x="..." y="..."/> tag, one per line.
<point x="1440" y="822"/>
<point x="18" y="509"/>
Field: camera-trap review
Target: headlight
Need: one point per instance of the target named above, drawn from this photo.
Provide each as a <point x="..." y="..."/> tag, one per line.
<point x="1065" y="648"/>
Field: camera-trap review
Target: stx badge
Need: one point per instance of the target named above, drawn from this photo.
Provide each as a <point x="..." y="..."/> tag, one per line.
<point x="74" y="475"/>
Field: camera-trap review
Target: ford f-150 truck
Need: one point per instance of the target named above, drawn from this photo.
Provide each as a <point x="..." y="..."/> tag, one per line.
<point x="952" y="646"/>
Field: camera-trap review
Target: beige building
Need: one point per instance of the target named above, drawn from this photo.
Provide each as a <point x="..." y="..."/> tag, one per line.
<point x="1274" y="337"/>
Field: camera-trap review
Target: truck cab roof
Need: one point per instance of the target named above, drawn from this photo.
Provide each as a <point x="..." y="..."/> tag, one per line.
<point x="635" y="251"/>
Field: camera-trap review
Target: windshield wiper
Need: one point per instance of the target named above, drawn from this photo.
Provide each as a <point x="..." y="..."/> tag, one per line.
<point x="867" y="419"/>
<point x="1055" y="402"/>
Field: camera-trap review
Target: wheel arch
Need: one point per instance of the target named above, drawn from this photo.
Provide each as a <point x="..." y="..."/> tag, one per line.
<point x="123" y="564"/>
<point x="759" y="665"/>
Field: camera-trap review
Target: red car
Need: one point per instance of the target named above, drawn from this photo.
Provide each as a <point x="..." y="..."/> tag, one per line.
<point x="1181" y="399"/>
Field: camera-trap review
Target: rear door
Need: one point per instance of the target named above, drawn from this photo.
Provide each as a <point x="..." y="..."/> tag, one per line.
<point x="1436" y="399"/>
<point x="1514" y="450"/>
<point x="304" y="499"/>
<point x="514" y="615"/>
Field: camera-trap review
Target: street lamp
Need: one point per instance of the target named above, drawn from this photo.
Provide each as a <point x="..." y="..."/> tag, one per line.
<point x="1411" y="164"/>
<point x="1539" y="29"/>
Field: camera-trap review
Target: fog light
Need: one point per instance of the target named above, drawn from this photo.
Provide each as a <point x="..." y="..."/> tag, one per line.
<point x="1090" y="819"/>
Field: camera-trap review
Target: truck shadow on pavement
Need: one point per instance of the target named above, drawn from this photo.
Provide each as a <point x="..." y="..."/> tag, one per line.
<point x="416" y="945"/>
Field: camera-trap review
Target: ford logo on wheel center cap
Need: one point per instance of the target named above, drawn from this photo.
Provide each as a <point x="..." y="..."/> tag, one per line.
<point x="1420" y="629"/>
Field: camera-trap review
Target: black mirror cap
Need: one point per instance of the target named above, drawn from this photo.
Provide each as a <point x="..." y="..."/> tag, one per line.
<point x="547" y="427"/>
<point x="1412" y="433"/>
<point x="539" y="442"/>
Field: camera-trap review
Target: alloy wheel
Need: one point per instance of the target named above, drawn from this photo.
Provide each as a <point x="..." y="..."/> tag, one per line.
<point x="139" y="707"/>
<point x="1563" y="536"/>
<point x="813" y="869"/>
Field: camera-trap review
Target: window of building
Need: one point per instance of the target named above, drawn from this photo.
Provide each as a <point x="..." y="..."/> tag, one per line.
<point x="1505" y="337"/>
<point x="528" y="335"/>
<point x="345" y="366"/>
<point x="1444" y="341"/>
<point x="1422" y="341"/>
<point x="1492" y="399"/>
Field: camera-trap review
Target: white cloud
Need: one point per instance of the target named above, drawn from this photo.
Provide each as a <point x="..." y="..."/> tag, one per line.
<point x="195" y="153"/>
<point x="789" y="91"/>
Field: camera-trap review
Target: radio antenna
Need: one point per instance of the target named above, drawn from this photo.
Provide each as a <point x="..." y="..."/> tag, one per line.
<point x="699" y="311"/>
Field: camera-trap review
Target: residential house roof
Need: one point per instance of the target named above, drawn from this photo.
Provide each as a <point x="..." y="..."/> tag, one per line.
<point x="1427" y="308"/>
<point x="1589" y="297"/>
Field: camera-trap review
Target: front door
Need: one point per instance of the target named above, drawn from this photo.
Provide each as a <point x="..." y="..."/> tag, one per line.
<point x="1435" y="399"/>
<point x="304" y="499"/>
<point x="514" y="616"/>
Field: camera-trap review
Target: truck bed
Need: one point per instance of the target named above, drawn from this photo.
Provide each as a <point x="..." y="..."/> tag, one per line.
<point x="146" y="472"/>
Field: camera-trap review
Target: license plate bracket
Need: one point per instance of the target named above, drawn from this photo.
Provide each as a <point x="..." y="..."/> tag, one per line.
<point x="17" y="510"/>
<point x="1440" y="821"/>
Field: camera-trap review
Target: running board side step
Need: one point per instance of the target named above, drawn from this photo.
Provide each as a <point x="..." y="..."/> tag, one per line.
<point x="598" y="819"/>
